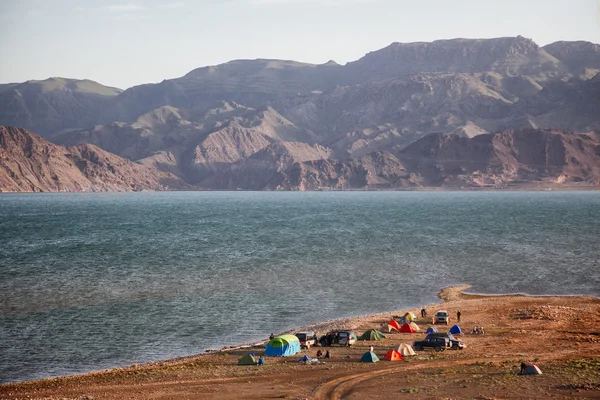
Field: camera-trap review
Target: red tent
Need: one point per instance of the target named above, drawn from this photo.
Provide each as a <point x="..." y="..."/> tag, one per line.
<point x="393" y="355"/>
<point x="394" y="323"/>
<point x="407" y="328"/>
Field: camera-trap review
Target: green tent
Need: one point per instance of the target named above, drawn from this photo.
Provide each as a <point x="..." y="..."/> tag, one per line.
<point x="283" y="346"/>
<point x="248" y="359"/>
<point x="369" y="356"/>
<point x="372" y="334"/>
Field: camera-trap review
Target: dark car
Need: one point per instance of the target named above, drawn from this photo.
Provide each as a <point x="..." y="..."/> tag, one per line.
<point x="455" y="344"/>
<point x="439" y="342"/>
<point x="342" y="338"/>
<point x="436" y="343"/>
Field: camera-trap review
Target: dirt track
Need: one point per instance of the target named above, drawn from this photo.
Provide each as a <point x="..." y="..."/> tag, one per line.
<point x="561" y="334"/>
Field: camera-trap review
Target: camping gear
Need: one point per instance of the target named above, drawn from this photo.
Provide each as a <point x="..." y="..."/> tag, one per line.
<point x="405" y="350"/>
<point x="532" y="369"/>
<point x="393" y="355"/>
<point x="372" y="334"/>
<point x="410" y="316"/>
<point x="248" y="359"/>
<point x="387" y="328"/>
<point x="307" y="360"/>
<point x="394" y="324"/>
<point x="431" y="329"/>
<point x="415" y="326"/>
<point x="283" y="346"/>
<point x="369" y="356"/>
<point x="407" y="328"/>
<point x="455" y="330"/>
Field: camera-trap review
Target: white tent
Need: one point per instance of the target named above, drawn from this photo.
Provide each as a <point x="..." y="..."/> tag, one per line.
<point x="405" y="349"/>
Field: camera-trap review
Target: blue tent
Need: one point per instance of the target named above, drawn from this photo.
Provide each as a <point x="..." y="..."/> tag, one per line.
<point x="455" y="330"/>
<point x="305" y="359"/>
<point x="431" y="329"/>
<point x="283" y="346"/>
<point x="369" y="356"/>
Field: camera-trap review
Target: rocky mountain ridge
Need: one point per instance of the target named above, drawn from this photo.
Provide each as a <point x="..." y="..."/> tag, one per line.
<point x="29" y="163"/>
<point x="272" y="121"/>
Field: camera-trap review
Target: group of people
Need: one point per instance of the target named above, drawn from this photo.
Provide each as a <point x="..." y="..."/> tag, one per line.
<point x="478" y="330"/>
<point x="320" y="354"/>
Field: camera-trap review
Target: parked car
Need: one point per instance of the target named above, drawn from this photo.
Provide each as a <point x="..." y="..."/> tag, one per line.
<point x="432" y="342"/>
<point x="307" y="339"/>
<point x="442" y="317"/>
<point x="439" y="342"/>
<point x="342" y="338"/>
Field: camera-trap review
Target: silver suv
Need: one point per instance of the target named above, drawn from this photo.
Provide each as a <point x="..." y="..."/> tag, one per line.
<point x="441" y="317"/>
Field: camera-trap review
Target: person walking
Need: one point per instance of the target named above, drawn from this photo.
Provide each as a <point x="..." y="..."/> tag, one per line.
<point x="458" y="314"/>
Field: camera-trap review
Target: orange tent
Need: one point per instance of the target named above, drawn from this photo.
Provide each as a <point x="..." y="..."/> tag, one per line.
<point x="407" y="328"/>
<point x="394" y="324"/>
<point x="393" y="355"/>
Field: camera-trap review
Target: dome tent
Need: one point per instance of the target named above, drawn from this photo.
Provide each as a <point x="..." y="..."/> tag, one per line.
<point x="369" y="356"/>
<point x="410" y="316"/>
<point x="372" y="334"/>
<point x="407" y="328"/>
<point x="405" y="349"/>
<point x="387" y="328"/>
<point x="283" y="346"/>
<point x="455" y="330"/>
<point x="415" y="326"/>
<point x="395" y="324"/>
<point x="393" y="355"/>
<point x="532" y="369"/>
<point x="431" y="329"/>
<point x="248" y="359"/>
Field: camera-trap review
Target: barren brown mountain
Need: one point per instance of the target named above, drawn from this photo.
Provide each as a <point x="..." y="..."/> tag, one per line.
<point x="286" y="125"/>
<point x="29" y="163"/>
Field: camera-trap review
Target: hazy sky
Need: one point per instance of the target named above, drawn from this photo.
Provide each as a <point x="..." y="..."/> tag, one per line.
<point x="124" y="43"/>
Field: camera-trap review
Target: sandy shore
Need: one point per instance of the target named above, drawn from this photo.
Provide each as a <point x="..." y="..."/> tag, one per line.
<point x="561" y="334"/>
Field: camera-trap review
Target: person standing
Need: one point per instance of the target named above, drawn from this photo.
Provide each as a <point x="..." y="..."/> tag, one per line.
<point x="458" y="314"/>
<point x="423" y="313"/>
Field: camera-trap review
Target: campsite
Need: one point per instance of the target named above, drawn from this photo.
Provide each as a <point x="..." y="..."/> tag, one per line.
<point x="557" y="335"/>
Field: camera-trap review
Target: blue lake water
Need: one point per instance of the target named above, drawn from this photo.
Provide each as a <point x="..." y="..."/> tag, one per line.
<point x="91" y="281"/>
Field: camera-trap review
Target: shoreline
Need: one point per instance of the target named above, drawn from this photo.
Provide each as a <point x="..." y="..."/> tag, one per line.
<point x="560" y="334"/>
<point x="445" y="295"/>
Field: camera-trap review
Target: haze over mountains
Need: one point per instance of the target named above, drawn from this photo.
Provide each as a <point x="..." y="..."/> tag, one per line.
<point x="274" y="124"/>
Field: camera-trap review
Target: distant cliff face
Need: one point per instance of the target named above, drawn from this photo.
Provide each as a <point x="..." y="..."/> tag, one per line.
<point x="29" y="163"/>
<point x="578" y="56"/>
<point x="513" y="55"/>
<point x="53" y="104"/>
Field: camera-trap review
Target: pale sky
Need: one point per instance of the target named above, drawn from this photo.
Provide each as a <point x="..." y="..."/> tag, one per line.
<point x="129" y="42"/>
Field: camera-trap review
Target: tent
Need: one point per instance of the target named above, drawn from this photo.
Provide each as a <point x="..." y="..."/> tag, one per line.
<point x="431" y="329"/>
<point x="283" y="346"/>
<point x="387" y="328"/>
<point x="405" y="349"/>
<point x="248" y="359"/>
<point x="372" y="334"/>
<point x="415" y="326"/>
<point x="306" y="359"/>
<point x="532" y="369"/>
<point x="394" y="324"/>
<point x="393" y="355"/>
<point x="455" y="330"/>
<point x="410" y="316"/>
<point x="369" y="356"/>
<point x="407" y="328"/>
<point x="404" y="320"/>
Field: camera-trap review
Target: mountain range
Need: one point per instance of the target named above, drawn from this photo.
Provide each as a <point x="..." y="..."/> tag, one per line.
<point x="408" y="115"/>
